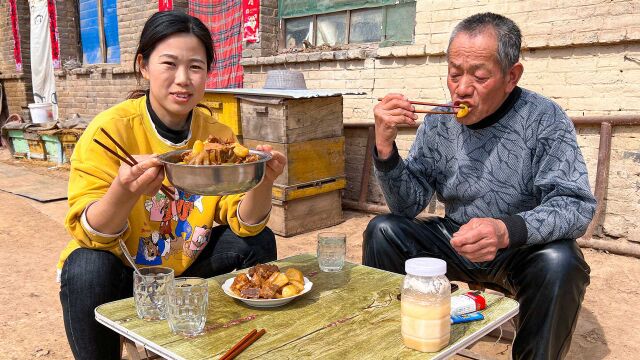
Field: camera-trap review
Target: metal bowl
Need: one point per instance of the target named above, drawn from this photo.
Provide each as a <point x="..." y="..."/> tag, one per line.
<point x="222" y="179"/>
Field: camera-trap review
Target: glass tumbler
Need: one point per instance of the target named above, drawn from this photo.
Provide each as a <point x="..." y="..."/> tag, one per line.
<point x="188" y="303"/>
<point x="150" y="292"/>
<point x="332" y="249"/>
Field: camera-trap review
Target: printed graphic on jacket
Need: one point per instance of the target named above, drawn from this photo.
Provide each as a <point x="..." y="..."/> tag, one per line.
<point x="151" y="249"/>
<point x="198" y="241"/>
<point x="167" y="242"/>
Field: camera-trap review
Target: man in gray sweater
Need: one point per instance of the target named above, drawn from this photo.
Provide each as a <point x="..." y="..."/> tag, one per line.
<point x="513" y="181"/>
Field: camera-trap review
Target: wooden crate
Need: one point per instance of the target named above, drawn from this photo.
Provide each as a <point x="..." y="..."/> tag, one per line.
<point x="286" y="193"/>
<point x="308" y="161"/>
<point x="226" y="109"/>
<point x="53" y="148"/>
<point x="36" y="146"/>
<point x="305" y="214"/>
<point x="281" y="120"/>
<point x="69" y="141"/>
<point x="19" y="145"/>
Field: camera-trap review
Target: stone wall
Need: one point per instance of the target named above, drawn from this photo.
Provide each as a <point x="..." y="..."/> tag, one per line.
<point x="585" y="55"/>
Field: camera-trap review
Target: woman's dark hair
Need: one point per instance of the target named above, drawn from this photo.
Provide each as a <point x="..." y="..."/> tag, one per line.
<point x="162" y="25"/>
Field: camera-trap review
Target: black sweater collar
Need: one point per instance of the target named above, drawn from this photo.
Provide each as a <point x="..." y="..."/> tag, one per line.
<point x="506" y="106"/>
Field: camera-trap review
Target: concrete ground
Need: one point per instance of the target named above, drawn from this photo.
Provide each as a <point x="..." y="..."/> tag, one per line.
<point x="32" y="235"/>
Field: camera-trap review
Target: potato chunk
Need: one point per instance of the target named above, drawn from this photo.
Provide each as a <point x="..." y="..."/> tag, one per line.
<point x="294" y="274"/>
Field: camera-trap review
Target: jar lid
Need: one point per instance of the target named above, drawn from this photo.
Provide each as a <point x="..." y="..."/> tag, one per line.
<point x="425" y="266"/>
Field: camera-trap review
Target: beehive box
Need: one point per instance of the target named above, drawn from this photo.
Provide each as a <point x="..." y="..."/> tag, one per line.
<point x="308" y="161"/>
<point x="36" y="146"/>
<point x="69" y="141"/>
<point x="226" y="109"/>
<point x="305" y="214"/>
<point x="19" y="145"/>
<point x="287" y="193"/>
<point x="53" y="148"/>
<point x="284" y="120"/>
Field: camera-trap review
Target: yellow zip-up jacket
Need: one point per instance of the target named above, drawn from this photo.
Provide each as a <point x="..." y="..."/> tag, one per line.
<point x="159" y="231"/>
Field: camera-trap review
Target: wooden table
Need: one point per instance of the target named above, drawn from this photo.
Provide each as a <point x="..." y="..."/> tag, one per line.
<point x="352" y="314"/>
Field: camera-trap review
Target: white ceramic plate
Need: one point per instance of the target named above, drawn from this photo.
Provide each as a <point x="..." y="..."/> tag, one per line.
<point x="226" y="287"/>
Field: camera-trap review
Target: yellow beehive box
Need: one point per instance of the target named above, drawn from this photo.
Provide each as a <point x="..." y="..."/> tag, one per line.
<point x="308" y="161"/>
<point x="225" y="108"/>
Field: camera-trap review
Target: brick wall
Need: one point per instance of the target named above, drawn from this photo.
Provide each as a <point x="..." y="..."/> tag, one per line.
<point x="68" y="21"/>
<point x="93" y="88"/>
<point x="17" y="85"/>
<point x="585" y="55"/>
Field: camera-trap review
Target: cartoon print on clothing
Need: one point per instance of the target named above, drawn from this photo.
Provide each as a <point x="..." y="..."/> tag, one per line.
<point x="198" y="241"/>
<point x="168" y="214"/>
<point x="151" y="249"/>
<point x="184" y="205"/>
<point x="156" y="206"/>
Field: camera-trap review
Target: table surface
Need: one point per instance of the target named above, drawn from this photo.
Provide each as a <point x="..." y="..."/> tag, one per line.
<point x="350" y="314"/>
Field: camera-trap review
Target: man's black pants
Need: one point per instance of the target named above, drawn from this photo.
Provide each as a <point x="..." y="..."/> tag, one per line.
<point x="548" y="280"/>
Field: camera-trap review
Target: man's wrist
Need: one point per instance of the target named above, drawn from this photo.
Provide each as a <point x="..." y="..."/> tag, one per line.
<point x="384" y="150"/>
<point x="503" y="234"/>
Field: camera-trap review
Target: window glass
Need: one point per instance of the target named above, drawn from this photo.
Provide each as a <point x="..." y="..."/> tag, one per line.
<point x="297" y="30"/>
<point x="332" y="29"/>
<point x="366" y="25"/>
<point x="399" y="27"/>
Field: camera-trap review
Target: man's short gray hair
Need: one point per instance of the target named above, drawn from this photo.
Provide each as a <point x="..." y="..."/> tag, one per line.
<point x="507" y="33"/>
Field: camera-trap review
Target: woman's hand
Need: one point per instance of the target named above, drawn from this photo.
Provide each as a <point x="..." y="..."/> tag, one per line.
<point x="257" y="202"/>
<point x="143" y="178"/>
<point x="275" y="166"/>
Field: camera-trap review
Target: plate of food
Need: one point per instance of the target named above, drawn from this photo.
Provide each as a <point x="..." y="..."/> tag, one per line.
<point x="215" y="167"/>
<point x="266" y="285"/>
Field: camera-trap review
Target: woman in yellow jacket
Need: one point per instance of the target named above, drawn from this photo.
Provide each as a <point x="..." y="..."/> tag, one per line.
<point x="110" y="201"/>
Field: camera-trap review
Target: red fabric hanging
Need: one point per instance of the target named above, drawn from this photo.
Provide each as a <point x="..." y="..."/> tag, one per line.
<point x="53" y="33"/>
<point x="165" y="5"/>
<point x="224" y="20"/>
<point x="17" y="54"/>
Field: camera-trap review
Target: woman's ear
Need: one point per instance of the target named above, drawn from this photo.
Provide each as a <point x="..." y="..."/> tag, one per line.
<point x="142" y="66"/>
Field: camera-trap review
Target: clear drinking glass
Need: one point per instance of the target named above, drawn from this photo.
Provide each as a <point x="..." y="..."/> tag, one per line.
<point x="188" y="302"/>
<point x="150" y="292"/>
<point x="332" y="249"/>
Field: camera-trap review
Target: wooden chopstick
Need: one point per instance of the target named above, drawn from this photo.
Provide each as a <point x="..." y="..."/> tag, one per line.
<point x="434" y="112"/>
<point x="430" y="104"/>
<point x="239" y="343"/>
<point x="243" y="345"/>
<point x="131" y="161"/>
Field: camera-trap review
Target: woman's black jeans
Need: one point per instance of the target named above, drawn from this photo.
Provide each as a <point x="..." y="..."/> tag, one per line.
<point x="91" y="277"/>
<point x="548" y="280"/>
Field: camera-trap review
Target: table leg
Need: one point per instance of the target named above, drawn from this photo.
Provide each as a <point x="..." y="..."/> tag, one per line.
<point x="132" y="350"/>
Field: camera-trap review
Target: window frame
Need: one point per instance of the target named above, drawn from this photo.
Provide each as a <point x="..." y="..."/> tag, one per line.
<point x="382" y="43"/>
<point x="101" y="36"/>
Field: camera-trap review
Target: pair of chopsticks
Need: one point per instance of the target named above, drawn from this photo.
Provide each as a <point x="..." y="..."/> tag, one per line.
<point x="129" y="160"/>
<point x="247" y="340"/>
<point x="432" y="104"/>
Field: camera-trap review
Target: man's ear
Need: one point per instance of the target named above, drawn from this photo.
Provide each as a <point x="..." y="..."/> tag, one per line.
<point x="513" y="76"/>
<point x="142" y="66"/>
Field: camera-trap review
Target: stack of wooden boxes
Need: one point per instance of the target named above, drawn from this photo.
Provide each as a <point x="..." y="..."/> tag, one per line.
<point x="309" y="132"/>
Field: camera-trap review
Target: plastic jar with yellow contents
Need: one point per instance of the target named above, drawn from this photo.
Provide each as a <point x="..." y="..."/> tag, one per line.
<point x="426" y="305"/>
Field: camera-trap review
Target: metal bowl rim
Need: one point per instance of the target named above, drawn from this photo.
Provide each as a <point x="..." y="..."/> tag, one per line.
<point x="264" y="157"/>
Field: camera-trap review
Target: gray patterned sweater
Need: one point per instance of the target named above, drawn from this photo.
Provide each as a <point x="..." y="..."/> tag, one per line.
<point x="522" y="165"/>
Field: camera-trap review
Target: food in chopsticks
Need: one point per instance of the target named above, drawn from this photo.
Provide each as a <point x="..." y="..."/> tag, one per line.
<point x="265" y="281"/>
<point x="463" y="111"/>
<point x="215" y="151"/>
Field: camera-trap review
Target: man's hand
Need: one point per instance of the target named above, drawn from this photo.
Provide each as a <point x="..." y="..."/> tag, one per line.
<point x="394" y="109"/>
<point x="479" y="239"/>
